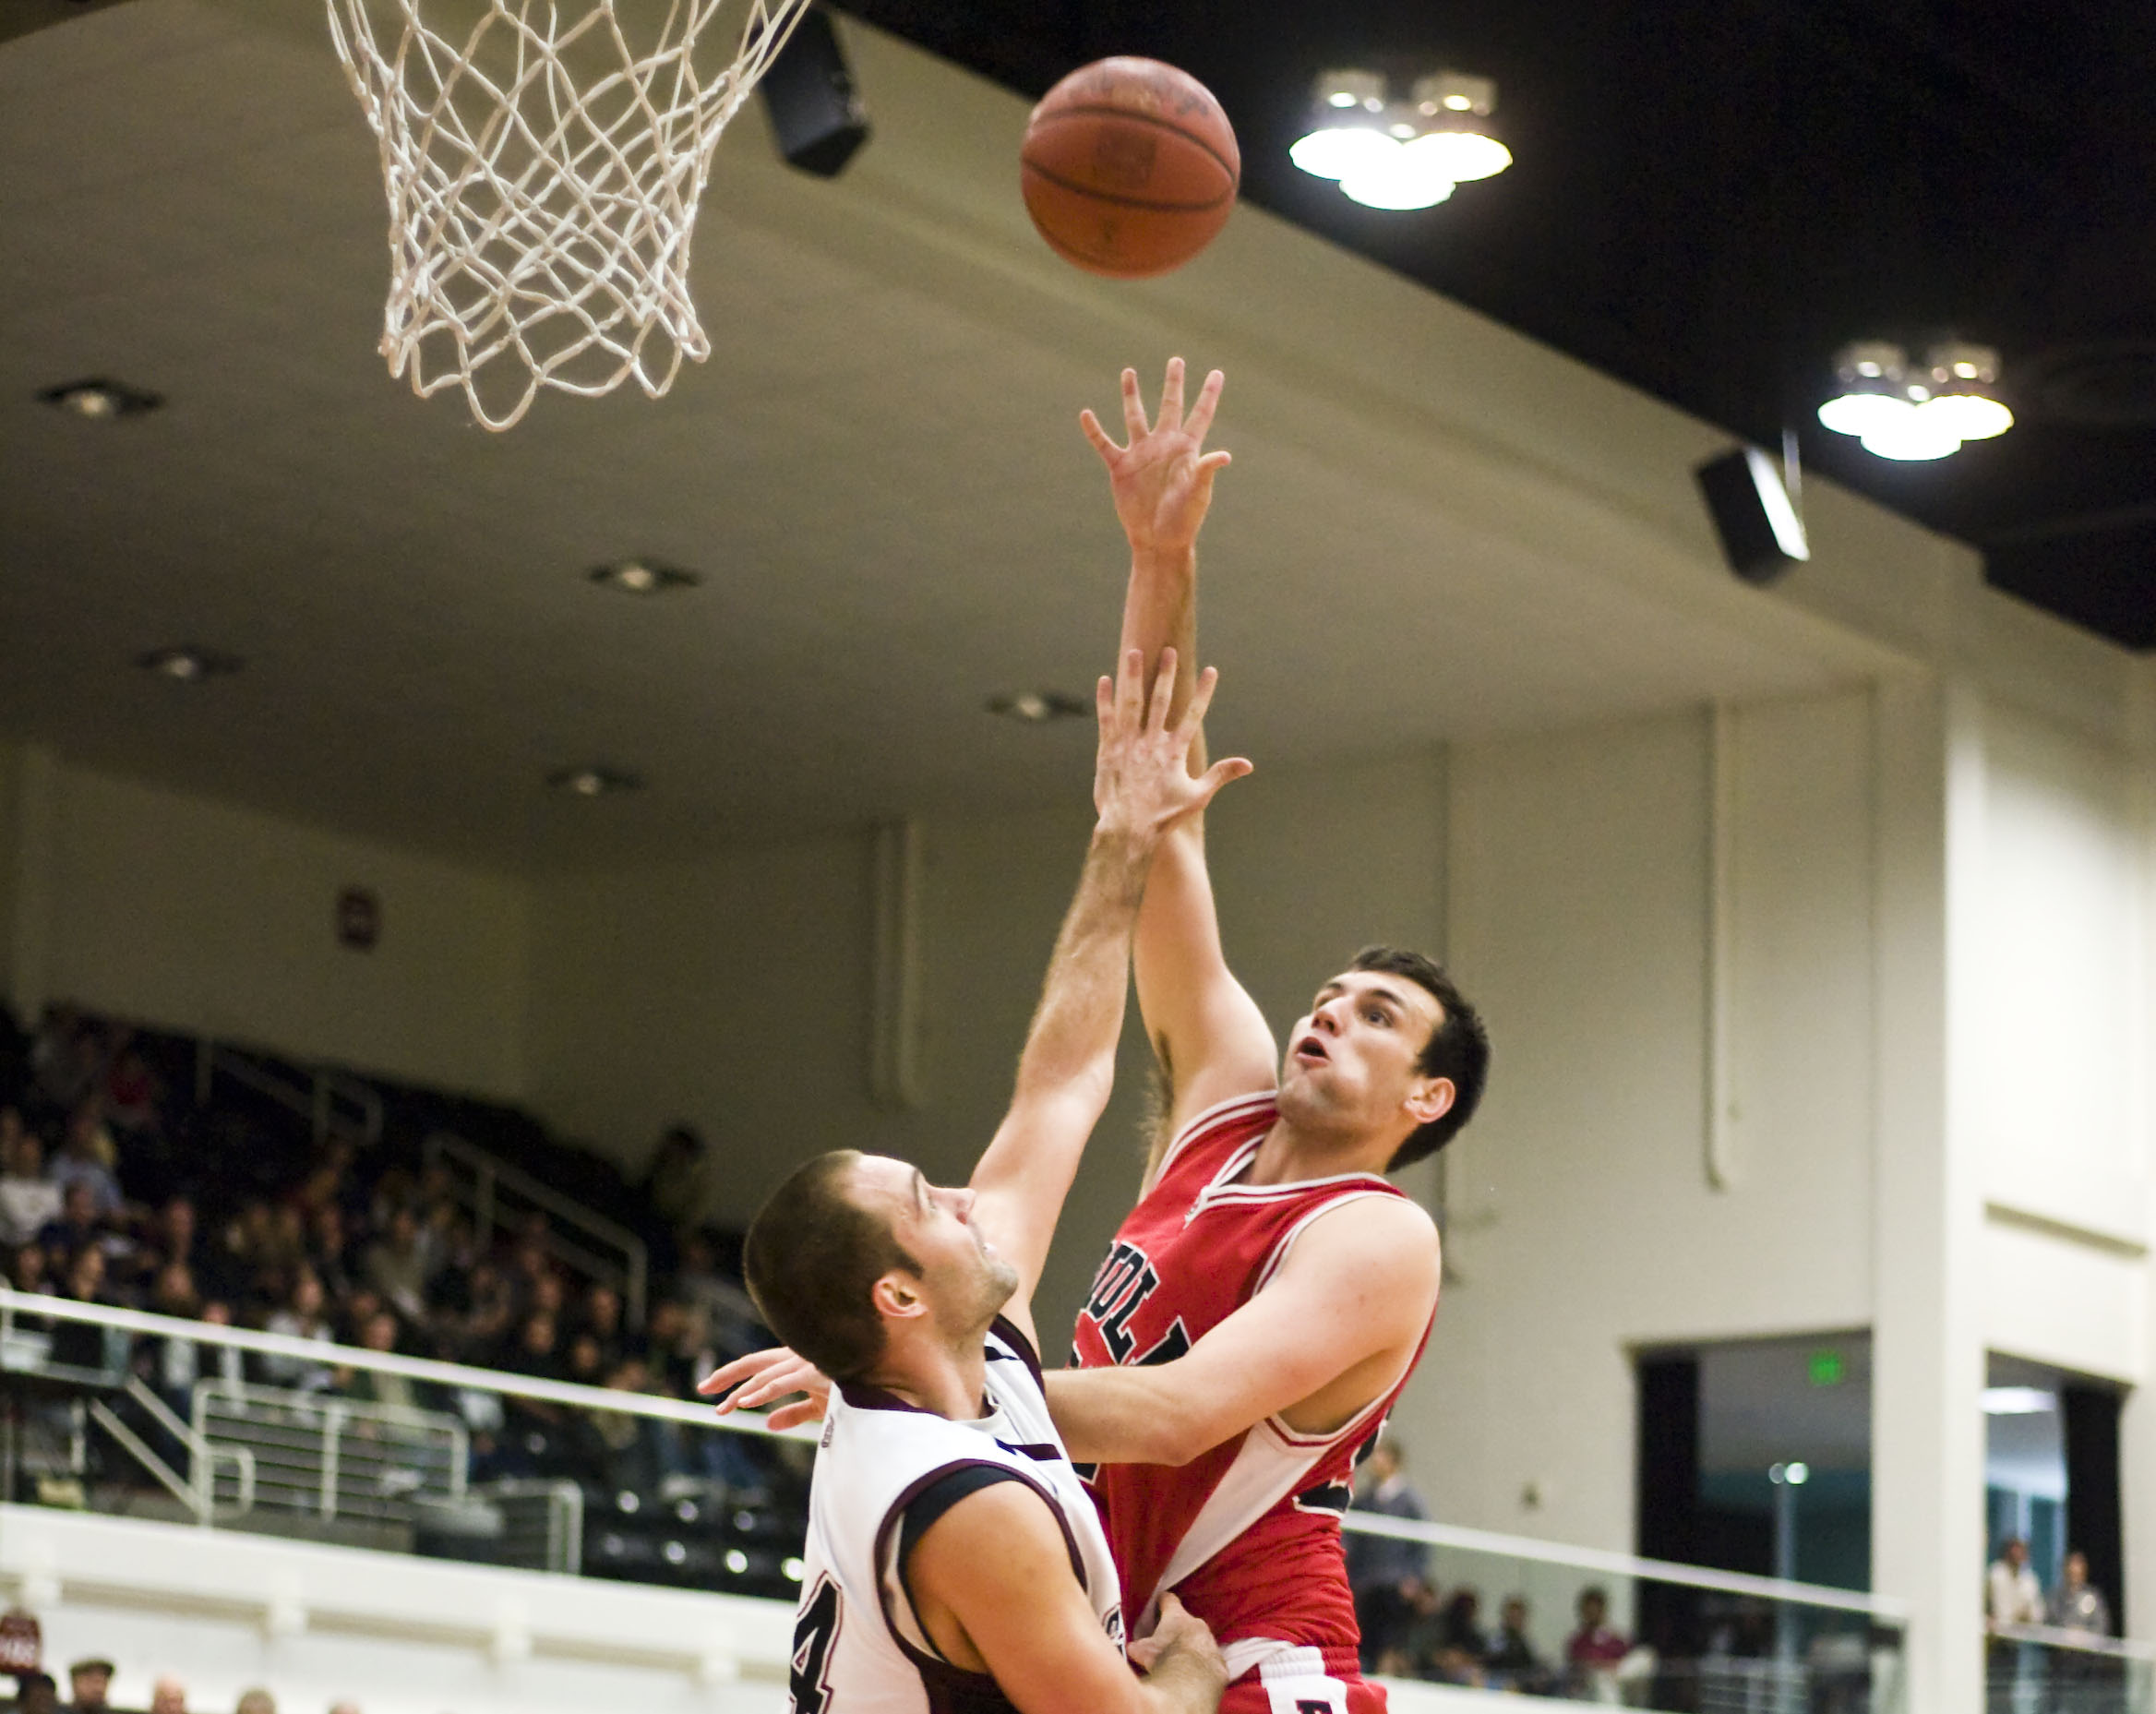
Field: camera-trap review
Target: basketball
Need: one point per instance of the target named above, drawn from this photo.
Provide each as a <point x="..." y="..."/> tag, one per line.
<point x="1128" y="167"/>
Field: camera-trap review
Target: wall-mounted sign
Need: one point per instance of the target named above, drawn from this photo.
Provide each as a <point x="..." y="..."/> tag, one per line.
<point x="359" y="918"/>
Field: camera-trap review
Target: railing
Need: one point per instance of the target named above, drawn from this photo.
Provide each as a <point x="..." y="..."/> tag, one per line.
<point x="2041" y="1669"/>
<point x="333" y="1104"/>
<point x="1673" y="1637"/>
<point x="330" y="1457"/>
<point x="494" y="1191"/>
<point x="502" y="1468"/>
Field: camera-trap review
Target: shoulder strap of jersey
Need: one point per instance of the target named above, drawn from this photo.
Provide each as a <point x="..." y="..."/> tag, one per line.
<point x="1199" y="1141"/>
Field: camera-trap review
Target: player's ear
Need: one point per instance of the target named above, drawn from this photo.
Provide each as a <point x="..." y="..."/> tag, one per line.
<point x="898" y="1296"/>
<point x="1430" y="1099"/>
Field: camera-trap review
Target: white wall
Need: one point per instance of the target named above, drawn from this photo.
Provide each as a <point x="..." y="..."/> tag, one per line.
<point x="396" y="1635"/>
<point x="1583" y="1221"/>
<point x="733" y="992"/>
<point x="192" y="915"/>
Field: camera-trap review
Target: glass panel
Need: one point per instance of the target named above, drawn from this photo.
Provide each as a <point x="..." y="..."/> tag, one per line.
<point x="1483" y="1617"/>
<point x="105" y="1410"/>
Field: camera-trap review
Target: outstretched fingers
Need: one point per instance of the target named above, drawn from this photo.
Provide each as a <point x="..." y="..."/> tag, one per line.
<point x="1134" y="406"/>
<point x="1171" y="396"/>
<point x="1089" y="426"/>
<point x="1201" y="417"/>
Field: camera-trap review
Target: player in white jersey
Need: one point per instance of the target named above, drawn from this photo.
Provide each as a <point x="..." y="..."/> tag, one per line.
<point x="954" y="1563"/>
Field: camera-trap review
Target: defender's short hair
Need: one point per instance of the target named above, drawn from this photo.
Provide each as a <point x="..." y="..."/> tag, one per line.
<point x="812" y="1256"/>
<point x="1458" y="1047"/>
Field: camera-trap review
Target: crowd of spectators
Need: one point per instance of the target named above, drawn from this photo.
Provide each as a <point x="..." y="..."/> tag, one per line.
<point x="89" y="1684"/>
<point x="1412" y="1627"/>
<point x="114" y="1190"/>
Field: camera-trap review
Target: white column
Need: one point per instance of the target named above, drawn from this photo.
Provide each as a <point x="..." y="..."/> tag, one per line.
<point x="2137" y="1423"/>
<point x="1928" y="1360"/>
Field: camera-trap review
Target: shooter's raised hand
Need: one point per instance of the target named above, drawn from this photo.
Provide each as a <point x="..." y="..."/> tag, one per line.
<point x="1141" y="782"/>
<point x="1163" y="479"/>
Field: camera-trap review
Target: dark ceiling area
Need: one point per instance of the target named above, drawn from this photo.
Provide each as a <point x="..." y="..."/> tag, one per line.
<point x="1709" y="196"/>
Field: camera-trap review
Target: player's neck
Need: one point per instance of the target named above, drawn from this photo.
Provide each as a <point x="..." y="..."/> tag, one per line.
<point x="1291" y="1154"/>
<point x="937" y="1378"/>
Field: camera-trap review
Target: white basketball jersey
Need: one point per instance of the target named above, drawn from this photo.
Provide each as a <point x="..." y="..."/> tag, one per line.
<point x="858" y="1646"/>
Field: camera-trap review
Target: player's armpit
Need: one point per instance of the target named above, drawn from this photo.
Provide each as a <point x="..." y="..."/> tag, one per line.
<point x="992" y="1583"/>
<point x="1330" y="1332"/>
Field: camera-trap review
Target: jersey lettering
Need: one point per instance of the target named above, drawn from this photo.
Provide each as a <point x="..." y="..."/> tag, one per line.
<point x="808" y="1684"/>
<point x="1126" y="1279"/>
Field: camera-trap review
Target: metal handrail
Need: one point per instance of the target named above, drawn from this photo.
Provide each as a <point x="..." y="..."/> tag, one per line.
<point x="14" y="1303"/>
<point x="2088" y="1642"/>
<point x="490" y="1174"/>
<point x="315" y="1100"/>
<point x="202" y="1452"/>
<point x="1883" y="1608"/>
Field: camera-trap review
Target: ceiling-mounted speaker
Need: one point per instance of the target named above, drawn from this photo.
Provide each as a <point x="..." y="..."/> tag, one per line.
<point x="809" y="91"/>
<point x="1758" y="527"/>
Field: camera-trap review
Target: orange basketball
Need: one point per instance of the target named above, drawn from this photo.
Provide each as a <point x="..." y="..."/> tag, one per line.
<point x="1128" y="167"/>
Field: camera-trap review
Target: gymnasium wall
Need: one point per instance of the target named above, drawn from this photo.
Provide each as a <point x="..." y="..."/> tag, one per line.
<point x="183" y="912"/>
<point x="734" y="991"/>
<point x="1583" y="1219"/>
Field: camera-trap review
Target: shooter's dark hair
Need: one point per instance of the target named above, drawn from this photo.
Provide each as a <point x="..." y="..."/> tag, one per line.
<point x="1458" y="1047"/>
<point x="812" y="1256"/>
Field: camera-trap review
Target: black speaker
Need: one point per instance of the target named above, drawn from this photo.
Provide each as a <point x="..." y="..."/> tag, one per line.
<point x="815" y="115"/>
<point x="1760" y="533"/>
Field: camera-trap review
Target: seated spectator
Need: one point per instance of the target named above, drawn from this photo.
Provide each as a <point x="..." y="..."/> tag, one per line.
<point x="375" y="1387"/>
<point x="599" y="1316"/>
<point x="86" y="1158"/>
<point x="587" y="1363"/>
<point x="29" y="1202"/>
<point x="170" y="1364"/>
<point x="35" y="1693"/>
<point x="78" y="1228"/>
<point x="1592" y="1652"/>
<point x="29" y="1271"/>
<point x="88" y="1684"/>
<point x="1511" y="1662"/>
<point x="300" y="1317"/>
<point x="621" y="1452"/>
<point x="673" y="1348"/>
<point x="257" y="1702"/>
<point x="731" y="1327"/>
<point x="1458" y="1658"/>
<point x="81" y="1345"/>
<point x="396" y="1265"/>
<point x="168" y="1695"/>
<point x="131" y="1089"/>
<point x="329" y="1253"/>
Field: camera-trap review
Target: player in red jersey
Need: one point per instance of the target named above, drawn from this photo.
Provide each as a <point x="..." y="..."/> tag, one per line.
<point x="1266" y="1298"/>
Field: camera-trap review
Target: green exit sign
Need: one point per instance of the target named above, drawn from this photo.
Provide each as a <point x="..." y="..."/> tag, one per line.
<point x="1826" y="1368"/>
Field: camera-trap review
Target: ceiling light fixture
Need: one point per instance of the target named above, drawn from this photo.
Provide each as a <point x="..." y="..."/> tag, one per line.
<point x="638" y="576"/>
<point x="185" y="664"/>
<point x="99" y="401"/>
<point x="1407" y="154"/>
<point x="1910" y="412"/>
<point x="2018" y="1401"/>
<point x="1038" y="708"/>
<point x="594" y="781"/>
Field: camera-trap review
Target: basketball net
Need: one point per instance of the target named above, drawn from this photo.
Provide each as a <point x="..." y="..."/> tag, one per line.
<point x="543" y="171"/>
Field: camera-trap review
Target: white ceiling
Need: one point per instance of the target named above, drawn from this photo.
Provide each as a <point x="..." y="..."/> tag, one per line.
<point x="877" y="472"/>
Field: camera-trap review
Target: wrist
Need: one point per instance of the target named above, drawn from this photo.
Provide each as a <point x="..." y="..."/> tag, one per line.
<point x="1159" y="555"/>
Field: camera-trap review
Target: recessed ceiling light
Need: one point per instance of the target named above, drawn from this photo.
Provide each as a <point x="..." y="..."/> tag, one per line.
<point x="594" y="782"/>
<point x="1038" y="707"/>
<point x="98" y="399"/>
<point x="643" y="577"/>
<point x="185" y="664"/>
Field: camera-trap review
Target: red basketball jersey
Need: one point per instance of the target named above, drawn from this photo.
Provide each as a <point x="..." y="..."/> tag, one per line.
<point x="1247" y="1535"/>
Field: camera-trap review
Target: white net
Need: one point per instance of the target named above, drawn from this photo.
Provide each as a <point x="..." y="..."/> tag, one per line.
<point x="544" y="160"/>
